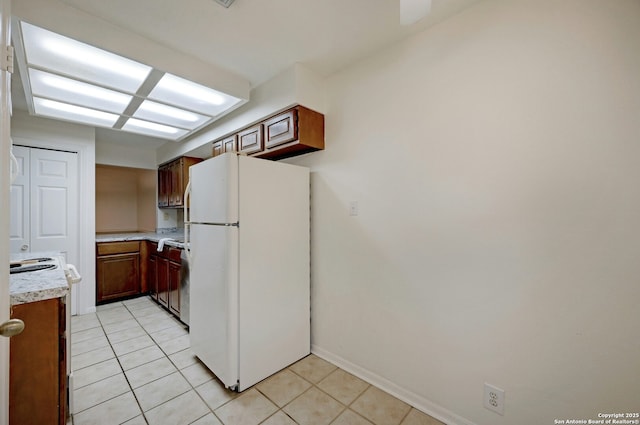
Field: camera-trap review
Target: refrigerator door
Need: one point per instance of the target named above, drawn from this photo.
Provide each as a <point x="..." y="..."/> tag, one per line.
<point x="274" y="267"/>
<point x="214" y="190"/>
<point x="214" y="299"/>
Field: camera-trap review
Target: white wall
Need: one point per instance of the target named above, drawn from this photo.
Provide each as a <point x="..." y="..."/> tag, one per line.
<point x="125" y="156"/>
<point x="494" y="158"/>
<point x="45" y="133"/>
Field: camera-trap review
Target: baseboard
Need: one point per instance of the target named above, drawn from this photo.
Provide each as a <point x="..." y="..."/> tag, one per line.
<point x="419" y="402"/>
<point x="87" y="311"/>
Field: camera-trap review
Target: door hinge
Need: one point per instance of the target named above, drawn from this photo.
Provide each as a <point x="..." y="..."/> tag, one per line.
<point x="7" y="60"/>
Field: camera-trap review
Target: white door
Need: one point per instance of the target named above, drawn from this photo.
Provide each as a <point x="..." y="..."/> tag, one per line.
<point x="19" y="237"/>
<point x="5" y="142"/>
<point x="44" y="202"/>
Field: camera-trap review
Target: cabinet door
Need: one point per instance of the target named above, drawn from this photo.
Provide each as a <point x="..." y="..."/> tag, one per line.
<point x="229" y="144"/>
<point x="217" y="148"/>
<point x="152" y="277"/>
<point x="172" y="186"/>
<point x="281" y="129"/>
<point x="162" y="276"/>
<point x="37" y="368"/>
<point x="250" y="140"/>
<point x="117" y="276"/>
<point x="175" y="199"/>
<point x="164" y="184"/>
<point x="174" y="288"/>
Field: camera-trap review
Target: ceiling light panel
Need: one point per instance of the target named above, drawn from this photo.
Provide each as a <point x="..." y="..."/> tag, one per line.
<point x="187" y="94"/>
<point x="72" y="81"/>
<point x="169" y="115"/>
<point x="153" y="129"/>
<point x="64" y="111"/>
<point x="51" y="86"/>
<point x="51" y="51"/>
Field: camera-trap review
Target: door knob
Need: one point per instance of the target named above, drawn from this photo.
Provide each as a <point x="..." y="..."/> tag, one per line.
<point x="24" y="247"/>
<point x="11" y="328"/>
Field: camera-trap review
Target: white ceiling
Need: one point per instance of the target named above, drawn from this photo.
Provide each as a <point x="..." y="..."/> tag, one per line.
<point x="253" y="39"/>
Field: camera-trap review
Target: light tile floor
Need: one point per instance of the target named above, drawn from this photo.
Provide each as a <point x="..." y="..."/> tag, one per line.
<point x="133" y="365"/>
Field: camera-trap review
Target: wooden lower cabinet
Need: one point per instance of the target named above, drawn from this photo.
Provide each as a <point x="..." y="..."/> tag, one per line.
<point x="117" y="270"/>
<point x="126" y="269"/>
<point x="174" y="287"/>
<point x="164" y="271"/>
<point x="118" y="276"/>
<point x="162" y="277"/>
<point x="152" y="280"/>
<point x="37" y="365"/>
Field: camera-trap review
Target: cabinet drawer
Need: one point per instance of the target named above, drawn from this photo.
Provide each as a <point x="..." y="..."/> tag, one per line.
<point x="169" y="252"/>
<point x="281" y="129"/>
<point x="108" y="248"/>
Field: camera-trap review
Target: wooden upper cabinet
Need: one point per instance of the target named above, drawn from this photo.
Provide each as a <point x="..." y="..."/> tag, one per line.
<point x="172" y="181"/>
<point x="281" y="129"/>
<point x="164" y="184"/>
<point x="177" y="183"/>
<point x="293" y="132"/>
<point x="218" y="148"/>
<point x="230" y="144"/>
<point x="250" y="140"/>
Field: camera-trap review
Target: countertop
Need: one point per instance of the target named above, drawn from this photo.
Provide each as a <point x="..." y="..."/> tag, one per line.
<point x="175" y="238"/>
<point x="38" y="285"/>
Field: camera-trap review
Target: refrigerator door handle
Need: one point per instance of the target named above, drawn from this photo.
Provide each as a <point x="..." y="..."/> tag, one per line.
<point x="187" y="222"/>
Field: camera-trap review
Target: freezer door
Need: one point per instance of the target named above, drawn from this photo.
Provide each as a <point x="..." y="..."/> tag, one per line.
<point x="214" y="299"/>
<point x="214" y="190"/>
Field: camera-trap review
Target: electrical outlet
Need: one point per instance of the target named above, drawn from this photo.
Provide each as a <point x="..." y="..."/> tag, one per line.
<point x="494" y="398"/>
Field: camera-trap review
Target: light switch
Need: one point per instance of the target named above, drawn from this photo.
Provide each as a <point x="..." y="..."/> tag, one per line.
<point x="353" y="208"/>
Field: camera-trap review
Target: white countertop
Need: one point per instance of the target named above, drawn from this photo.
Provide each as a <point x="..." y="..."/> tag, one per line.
<point x="38" y="285"/>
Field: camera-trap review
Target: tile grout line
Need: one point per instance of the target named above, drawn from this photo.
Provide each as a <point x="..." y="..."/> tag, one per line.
<point x="116" y="356"/>
<point x="120" y="364"/>
<point x="151" y="304"/>
<point x="177" y="369"/>
<point x="175" y="365"/>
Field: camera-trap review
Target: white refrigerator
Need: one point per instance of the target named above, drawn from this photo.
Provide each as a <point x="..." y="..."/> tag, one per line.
<point x="247" y="236"/>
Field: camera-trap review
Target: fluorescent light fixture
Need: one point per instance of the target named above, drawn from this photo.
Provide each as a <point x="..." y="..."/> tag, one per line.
<point x="153" y="129"/>
<point x="63" y="55"/>
<point x="73" y="81"/>
<point x="64" y="111"/>
<point x="411" y="11"/>
<point x="158" y="112"/>
<point x="44" y="84"/>
<point x="190" y="95"/>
